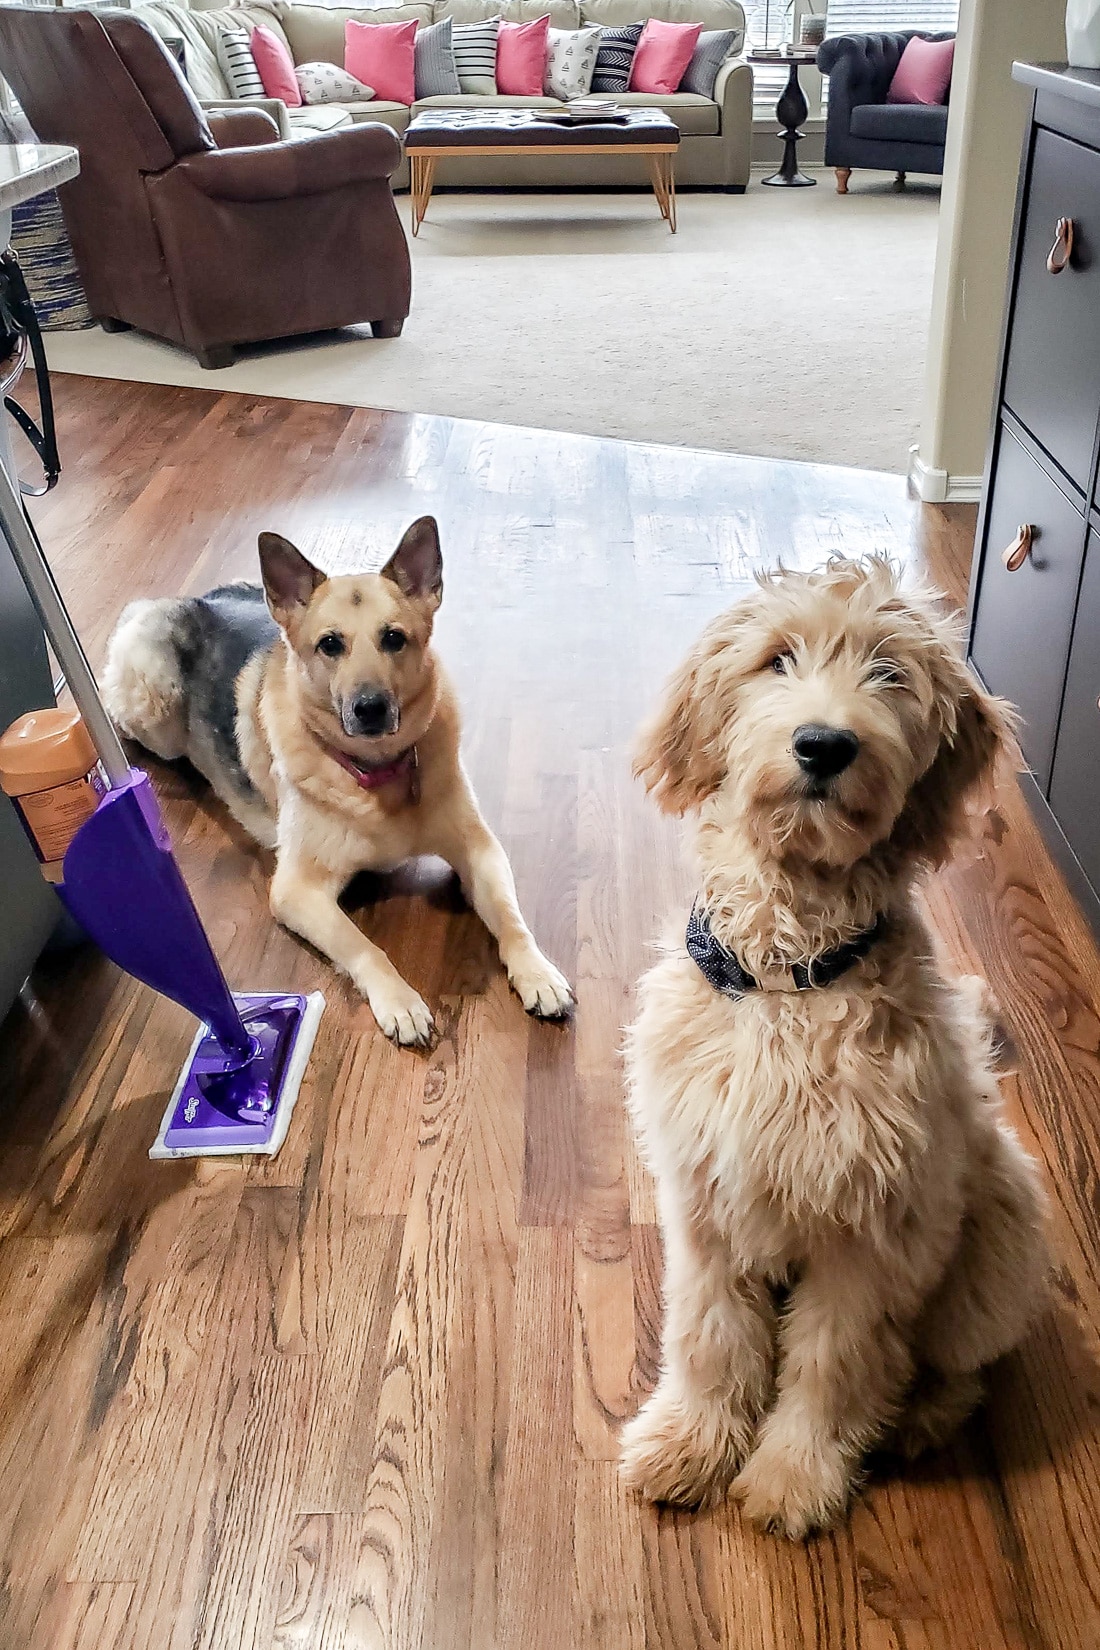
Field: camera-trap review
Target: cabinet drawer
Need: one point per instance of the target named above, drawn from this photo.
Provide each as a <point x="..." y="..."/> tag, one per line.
<point x="1075" y="781"/>
<point x="1052" y="379"/>
<point x="1022" y="620"/>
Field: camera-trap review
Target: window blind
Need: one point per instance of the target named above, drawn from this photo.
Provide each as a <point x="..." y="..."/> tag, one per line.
<point x="866" y="16"/>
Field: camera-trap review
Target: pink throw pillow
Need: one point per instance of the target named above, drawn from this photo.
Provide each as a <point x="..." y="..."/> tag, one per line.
<point x="662" y="55"/>
<point x="924" y="72"/>
<point x="275" y="67"/>
<point x="521" y="57"/>
<point x="382" y="55"/>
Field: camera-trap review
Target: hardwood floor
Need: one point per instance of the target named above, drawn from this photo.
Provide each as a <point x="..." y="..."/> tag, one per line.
<point x="367" y="1395"/>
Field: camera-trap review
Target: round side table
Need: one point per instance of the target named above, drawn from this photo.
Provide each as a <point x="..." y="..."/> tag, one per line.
<point x="791" y="111"/>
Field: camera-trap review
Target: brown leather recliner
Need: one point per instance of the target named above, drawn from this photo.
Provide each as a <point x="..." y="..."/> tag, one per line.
<point x="204" y="229"/>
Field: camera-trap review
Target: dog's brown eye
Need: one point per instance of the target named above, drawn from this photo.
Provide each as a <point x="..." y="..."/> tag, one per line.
<point x="331" y="645"/>
<point x="781" y="661"/>
<point x="889" y="674"/>
<point x="391" y="640"/>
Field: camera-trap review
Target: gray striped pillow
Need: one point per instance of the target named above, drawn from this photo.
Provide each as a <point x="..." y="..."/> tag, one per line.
<point x="434" y="63"/>
<point x="475" y="48"/>
<point x="238" y="65"/>
<point x="711" y="51"/>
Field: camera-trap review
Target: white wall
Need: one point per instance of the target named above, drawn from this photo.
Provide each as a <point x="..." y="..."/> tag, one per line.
<point x="984" y="141"/>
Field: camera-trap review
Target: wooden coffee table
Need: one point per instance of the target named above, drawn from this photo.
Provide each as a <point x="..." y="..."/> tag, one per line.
<point x="437" y="133"/>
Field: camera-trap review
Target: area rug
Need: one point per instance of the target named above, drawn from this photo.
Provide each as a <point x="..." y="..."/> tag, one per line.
<point x="786" y="323"/>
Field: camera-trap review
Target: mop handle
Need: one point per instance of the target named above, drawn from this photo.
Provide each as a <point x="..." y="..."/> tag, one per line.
<point x="23" y="543"/>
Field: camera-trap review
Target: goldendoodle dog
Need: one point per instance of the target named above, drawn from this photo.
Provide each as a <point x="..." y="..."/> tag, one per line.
<point x="851" y="1227"/>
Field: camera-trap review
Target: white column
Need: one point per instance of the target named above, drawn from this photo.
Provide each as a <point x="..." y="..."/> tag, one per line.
<point x="984" y="142"/>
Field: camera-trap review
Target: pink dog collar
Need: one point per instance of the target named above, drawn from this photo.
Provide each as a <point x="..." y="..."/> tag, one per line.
<point x="372" y="775"/>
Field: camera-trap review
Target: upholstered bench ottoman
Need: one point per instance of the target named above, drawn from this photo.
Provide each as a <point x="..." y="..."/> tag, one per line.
<point x="439" y="132"/>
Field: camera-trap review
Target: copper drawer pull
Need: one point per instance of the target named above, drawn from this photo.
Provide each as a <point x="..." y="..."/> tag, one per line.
<point x="1019" y="550"/>
<point x="1062" y="250"/>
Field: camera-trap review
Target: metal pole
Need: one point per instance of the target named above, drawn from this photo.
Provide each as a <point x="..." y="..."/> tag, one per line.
<point x="39" y="580"/>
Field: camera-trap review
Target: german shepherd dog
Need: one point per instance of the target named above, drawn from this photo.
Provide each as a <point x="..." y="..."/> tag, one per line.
<point x="323" y="720"/>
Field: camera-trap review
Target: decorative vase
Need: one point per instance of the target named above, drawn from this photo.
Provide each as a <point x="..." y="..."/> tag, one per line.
<point x="1083" y="33"/>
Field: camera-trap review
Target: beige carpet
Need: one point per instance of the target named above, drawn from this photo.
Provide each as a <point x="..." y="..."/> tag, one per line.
<point x="781" y="322"/>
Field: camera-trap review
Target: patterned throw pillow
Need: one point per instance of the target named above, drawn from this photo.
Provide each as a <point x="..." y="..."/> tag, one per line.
<point x="707" y="58"/>
<point x="475" y="49"/>
<point x="436" y="75"/>
<point x="614" y="58"/>
<point x="327" y="83"/>
<point x="571" y="62"/>
<point x="238" y="64"/>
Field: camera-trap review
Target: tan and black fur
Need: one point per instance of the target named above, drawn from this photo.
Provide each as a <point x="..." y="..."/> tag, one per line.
<point x="259" y="695"/>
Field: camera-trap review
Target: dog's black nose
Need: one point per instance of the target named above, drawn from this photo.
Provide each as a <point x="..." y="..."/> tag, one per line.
<point x="369" y="712"/>
<point x="823" y="752"/>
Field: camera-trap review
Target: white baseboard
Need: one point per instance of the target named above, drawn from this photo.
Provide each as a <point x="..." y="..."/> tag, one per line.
<point x="939" y="486"/>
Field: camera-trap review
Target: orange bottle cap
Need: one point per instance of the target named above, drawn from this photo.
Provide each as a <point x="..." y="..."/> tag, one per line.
<point x="45" y="748"/>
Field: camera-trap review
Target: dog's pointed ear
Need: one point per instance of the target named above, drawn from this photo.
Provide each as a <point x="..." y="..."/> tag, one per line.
<point x="976" y="731"/>
<point x="289" y="579"/>
<point x="679" y="753"/>
<point x="416" y="566"/>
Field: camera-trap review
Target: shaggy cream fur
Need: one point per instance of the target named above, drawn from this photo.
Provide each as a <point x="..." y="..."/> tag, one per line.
<point x="851" y="1227"/>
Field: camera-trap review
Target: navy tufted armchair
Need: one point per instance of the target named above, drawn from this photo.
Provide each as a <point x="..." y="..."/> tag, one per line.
<point x="862" y="129"/>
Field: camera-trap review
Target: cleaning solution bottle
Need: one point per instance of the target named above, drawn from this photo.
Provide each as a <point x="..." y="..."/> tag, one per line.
<point x="50" y="769"/>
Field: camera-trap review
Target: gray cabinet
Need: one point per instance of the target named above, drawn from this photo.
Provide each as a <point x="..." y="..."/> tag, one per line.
<point x="1035" y="599"/>
<point x="28" y="906"/>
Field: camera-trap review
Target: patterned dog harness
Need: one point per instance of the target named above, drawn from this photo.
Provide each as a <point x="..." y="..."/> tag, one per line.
<point x="721" y="969"/>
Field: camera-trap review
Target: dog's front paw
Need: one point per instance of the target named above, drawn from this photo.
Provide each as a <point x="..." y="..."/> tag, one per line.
<point x="402" y="1014"/>
<point x="541" y="988"/>
<point x="681" y="1456"/>
<point x="792" y="1489"/>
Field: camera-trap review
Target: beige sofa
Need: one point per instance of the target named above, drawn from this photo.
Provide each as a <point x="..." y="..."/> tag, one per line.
<point x="716" y="134"/>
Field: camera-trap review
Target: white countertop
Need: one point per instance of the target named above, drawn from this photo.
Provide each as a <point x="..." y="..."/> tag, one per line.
<point x="29" y="169"/>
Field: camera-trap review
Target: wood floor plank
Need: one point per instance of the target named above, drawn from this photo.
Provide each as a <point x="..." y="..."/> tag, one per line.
<point x="536" y="1538"/>
<point x="367" y="1394"/>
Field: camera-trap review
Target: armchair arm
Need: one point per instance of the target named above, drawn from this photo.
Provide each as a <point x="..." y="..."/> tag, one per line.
<point x="273" y="106"/>
<point x="308" y="166"/>
<point x="242" y="128"/>
<point x="733" y="95"/>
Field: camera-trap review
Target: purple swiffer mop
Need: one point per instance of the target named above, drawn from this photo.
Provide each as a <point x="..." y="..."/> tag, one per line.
<point x="122" y="884"/>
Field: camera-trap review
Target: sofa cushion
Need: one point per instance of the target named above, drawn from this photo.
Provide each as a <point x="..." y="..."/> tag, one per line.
<point x="564" y="14"/>
<point x="663" y="55"/>
<point x="316" y="33"/>
<point x="319" y="117"/>
<point x="900" y="122"/>
<point x="276" y="66"/>
<point x="382" y="55"/>
<point x="695" y="116"/>
<point x="436" y="75"/>
<point x="237" y="63"/>
<point x="570" y="62"/>
<point x="199" y="32"/>
<point x="715" y="45"/>
<point x="712" y="14"/>
<point x="394" y="115"/>
<point x="615" y="55"/>
<point x="472" y="100"/>
<point x="521" y="56"/>
<point x="476" y="56"/>
<point x="924" y="72"/>
<point x="327" y="83"/>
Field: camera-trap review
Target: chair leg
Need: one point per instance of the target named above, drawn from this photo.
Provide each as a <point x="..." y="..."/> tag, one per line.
<point x="218" y="355"/>
<point x="388" y="329"/>
<point x="843" y="173"/>
<point x="110" y="323"/>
